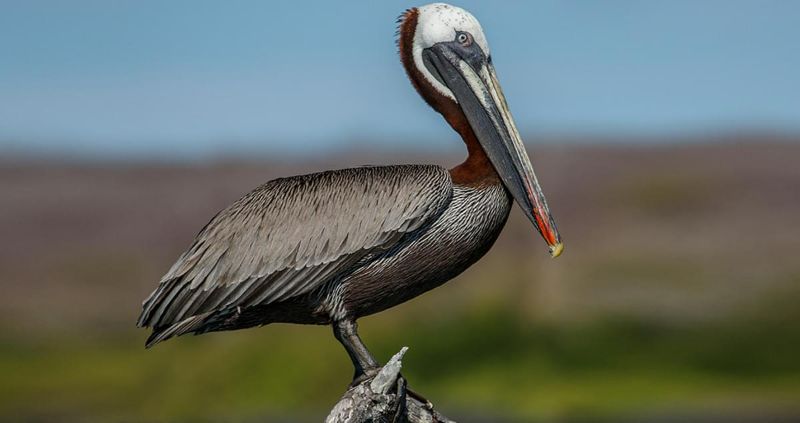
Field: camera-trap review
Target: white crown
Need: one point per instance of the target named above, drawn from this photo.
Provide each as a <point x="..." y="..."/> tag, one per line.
<point x="439" y="22"/>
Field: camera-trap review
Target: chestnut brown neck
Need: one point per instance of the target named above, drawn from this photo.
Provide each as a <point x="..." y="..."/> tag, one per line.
<point x="476" y="170"/>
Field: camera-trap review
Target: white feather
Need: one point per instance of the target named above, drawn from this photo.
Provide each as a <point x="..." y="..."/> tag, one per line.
<point x="439" y="22"/>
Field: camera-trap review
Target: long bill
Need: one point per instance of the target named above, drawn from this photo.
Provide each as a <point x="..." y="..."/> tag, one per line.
<point x="481" y="98"/>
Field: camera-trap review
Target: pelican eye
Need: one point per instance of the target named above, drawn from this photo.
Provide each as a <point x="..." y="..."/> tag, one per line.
<point x="464" y="39"/>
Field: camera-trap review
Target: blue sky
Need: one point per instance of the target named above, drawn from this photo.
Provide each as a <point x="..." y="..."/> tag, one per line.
<point x="181" y="78"/>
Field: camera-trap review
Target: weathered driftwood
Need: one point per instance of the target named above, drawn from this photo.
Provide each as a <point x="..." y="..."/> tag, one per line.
<point x="384" y="398"/>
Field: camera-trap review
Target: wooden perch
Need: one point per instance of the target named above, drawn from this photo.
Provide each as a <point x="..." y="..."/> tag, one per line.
<point x="384" y="398"/>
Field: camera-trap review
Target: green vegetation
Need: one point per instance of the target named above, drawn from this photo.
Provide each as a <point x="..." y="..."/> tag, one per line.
<point x="677" y="296"/>
<point x="482" y="361"/>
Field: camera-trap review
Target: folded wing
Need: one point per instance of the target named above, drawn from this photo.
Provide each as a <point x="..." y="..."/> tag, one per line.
<point x="289" y="237"/>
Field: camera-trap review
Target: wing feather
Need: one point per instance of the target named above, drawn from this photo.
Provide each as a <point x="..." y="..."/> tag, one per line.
<point x="290" y="236"/>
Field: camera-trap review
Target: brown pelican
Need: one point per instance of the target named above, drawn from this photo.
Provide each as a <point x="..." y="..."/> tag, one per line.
<point x="330" y="247"/>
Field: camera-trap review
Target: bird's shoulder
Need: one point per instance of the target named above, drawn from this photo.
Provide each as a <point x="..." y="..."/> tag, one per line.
<point x="310" y="219"/>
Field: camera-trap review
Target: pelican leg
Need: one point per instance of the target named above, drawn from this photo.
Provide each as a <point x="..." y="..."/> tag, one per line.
<point x="346" y="332"/>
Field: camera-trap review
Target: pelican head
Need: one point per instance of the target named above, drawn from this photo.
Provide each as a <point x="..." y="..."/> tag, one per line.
<point x="447" y="58"/>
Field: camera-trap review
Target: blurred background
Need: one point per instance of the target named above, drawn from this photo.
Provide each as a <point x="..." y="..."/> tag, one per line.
<point x="665" y="135"/>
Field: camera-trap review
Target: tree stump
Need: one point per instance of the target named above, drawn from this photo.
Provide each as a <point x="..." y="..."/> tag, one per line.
<point x="384" y="398"/>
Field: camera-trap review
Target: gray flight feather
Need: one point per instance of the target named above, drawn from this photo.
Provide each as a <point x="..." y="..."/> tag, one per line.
<point x="291" y="236"/>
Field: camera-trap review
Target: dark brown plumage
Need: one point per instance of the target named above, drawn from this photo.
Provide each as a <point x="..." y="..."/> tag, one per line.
<point x="476" y="169"/>
<point x="289" y="238"/>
